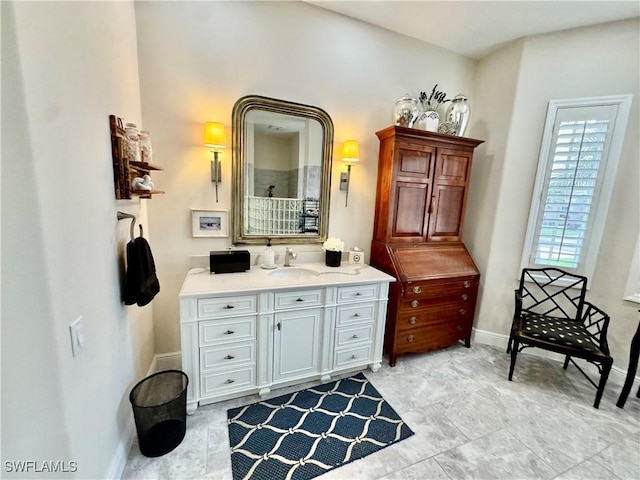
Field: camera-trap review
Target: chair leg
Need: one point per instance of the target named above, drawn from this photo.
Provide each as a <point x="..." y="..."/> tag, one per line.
<point x="514" y="354"/>
<point x="606" y="368"/>
<point x="566" y="361"/>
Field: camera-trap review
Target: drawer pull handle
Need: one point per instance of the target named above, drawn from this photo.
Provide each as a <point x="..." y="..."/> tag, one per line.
<point x="229" y="381"/>
<point x="229" y="332"/>
<point x="465" y="296"/>
<point x="353" y="357"/>
<point x="229" y="357"/>
<point x="417" y="290"/>
<point x="358" y="294"/>
<point x="410" y="339"/>
<point x="228" y="307"/>
<point x="356" y="314"/>
<point x="355" y="335"/>
<point x="466" y="284"/>
<point x="279" y="325"/>
<point x="415" y="303"/>
<point x="299" y="299"/>
<point x="463" y="311"/>
<point x="413" y="320"/>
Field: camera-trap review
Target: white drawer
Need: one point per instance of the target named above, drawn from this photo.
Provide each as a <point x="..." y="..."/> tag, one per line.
<point x="353" y="356"/>
<point x="226" y="306"/>
<point x="298" y="299"/>
<point x="357" y="293"/>
<point x="229" y="355"/>
<point x="214" y="332"/>
<point x="361" y="312"/>
<point x="351" y="336"/>
<point x="219" y="383"/>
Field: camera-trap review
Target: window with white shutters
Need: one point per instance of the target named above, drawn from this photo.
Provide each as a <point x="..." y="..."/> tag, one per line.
<point x="578" y="159"/>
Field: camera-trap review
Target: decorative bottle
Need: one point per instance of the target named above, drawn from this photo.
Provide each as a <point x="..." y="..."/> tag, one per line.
<point x="458" y="114"/>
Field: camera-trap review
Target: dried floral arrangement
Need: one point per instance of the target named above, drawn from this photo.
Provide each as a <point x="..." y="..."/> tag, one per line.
<point x="433" y="101"/>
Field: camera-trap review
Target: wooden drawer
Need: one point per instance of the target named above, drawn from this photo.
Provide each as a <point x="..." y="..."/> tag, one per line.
<point x="298" y="299"/>
<point x="436" y="335"/>
<point x="352" y="356"/>
<point x="217" y="332"/>
<point x="226" y="306"/>
<point x="356" y="313"/>
<point x="438" y="314"/>
<point x="350" y="336"/>
<point x="441" y="287"/>
<point x="357" y="293"/>
<point x="464" y="301"/>
<point x="219" y="383"/>
<point x="229" y="355"/>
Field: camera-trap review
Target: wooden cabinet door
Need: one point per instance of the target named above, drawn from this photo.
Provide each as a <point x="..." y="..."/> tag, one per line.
<point x="411" y="192"/>
<point x="446" y="211"/>
<point x="297" y="343"/>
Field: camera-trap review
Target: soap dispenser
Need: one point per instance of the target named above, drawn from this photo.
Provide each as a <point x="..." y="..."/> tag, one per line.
<point x="268" y="256"/>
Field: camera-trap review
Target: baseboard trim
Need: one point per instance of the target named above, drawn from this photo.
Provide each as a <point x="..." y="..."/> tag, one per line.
<point x="499" y="340"/>
<point x="168" y="361"/>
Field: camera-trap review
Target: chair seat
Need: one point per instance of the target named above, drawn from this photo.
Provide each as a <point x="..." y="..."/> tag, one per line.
<point x="560" y="331"/>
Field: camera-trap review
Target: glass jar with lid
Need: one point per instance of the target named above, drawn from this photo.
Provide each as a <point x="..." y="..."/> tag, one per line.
<point x="406" y="112"/>
<point x="145" y="146"/>
<point x="132" y="147"/>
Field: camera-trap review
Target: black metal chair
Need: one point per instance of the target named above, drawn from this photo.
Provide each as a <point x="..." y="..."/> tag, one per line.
<point x="551" y="313"/>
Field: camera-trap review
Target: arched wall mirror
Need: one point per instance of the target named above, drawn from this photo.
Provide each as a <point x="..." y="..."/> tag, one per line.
<point x="281" y="171"/>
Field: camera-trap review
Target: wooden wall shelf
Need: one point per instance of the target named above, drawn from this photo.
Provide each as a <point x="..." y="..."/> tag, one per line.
<point x="124" y="171"/>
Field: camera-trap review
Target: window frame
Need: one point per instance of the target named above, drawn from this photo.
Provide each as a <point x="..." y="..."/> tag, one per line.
<point x="593" y="237"/>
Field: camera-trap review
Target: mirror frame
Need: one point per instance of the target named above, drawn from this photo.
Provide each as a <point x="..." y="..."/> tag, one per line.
<point x="238" y="166"/>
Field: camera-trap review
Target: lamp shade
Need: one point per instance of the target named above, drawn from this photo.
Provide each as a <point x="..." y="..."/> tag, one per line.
<point x="214" y="135"/>
<point x="350" y="151"/>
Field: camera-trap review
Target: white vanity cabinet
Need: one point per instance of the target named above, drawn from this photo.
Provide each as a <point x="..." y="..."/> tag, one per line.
<point x="245" y="333"/>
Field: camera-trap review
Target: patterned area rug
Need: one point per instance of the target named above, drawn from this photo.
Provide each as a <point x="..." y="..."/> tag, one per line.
<point x="305" y="434"/>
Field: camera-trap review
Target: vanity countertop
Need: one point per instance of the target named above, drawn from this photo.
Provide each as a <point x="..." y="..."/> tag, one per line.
<point x="199" y="281"/>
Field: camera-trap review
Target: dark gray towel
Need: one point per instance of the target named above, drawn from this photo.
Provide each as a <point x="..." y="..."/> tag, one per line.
<point x="141" y="283"/>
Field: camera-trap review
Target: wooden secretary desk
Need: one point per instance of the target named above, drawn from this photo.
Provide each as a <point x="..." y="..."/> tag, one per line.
<point x="423" y="178"/>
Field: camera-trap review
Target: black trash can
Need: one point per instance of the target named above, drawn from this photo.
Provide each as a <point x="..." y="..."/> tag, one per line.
<point x="159" y="405"/>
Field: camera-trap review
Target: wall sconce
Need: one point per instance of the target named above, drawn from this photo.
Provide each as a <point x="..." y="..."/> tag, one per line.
<point x="215" y="137"/>
<point x="350" y="154"/>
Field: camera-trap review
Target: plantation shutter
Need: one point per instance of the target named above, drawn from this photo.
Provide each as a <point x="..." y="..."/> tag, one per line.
<point x="575" y="165"/>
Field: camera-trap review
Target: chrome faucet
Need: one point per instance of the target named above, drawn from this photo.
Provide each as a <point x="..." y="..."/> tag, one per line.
<point x="288" y="256"/>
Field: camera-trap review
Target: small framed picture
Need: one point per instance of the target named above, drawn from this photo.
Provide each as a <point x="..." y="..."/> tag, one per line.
<point x="209" y="223"/>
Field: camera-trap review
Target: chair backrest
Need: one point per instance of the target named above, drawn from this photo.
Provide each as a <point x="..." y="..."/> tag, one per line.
<point x="552" y="292"/>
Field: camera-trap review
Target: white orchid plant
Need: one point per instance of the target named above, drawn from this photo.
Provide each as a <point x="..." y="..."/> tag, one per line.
<point x="333" y="245"/>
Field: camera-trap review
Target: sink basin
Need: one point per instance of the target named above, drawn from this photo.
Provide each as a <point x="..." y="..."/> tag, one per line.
<point x="293" y="273"/>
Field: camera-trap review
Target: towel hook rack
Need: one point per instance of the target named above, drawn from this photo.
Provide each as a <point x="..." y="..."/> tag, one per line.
<point x="122" y="216"/>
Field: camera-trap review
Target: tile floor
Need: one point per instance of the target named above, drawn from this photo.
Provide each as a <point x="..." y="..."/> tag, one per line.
<point x="470" y="422"/>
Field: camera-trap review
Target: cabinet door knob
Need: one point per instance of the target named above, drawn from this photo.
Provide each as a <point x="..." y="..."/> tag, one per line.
<point x="355" y="335"/>
<point x="415" y="303"/>
<point x="463" y="311"/>
<point x="229" y="332"/>
<point x="466" y="284"/>
<point x="465" y="296"/>
<point x="299" y="299"/>
<point x="228" y="307"/>
<point x="229" y="381"/>
<point x="410" y="338"/>
<point x="229" y="357"/>
<point x="417" y="290"/>
<point x="413" y="320"/>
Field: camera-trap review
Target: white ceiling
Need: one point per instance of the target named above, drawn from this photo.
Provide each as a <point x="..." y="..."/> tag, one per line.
<point x="475" y="28"/>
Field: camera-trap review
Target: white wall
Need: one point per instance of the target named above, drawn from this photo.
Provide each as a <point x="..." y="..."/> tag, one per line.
<point x="594" y="61"/>
<point x="197" y="59"/>
<point x="65" y="68"/>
